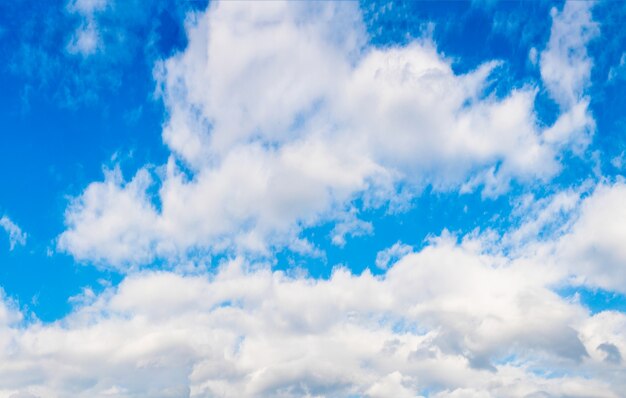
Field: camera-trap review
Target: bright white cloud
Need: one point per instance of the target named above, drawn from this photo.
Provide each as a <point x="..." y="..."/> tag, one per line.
<point x="268" y="153"/>
<point x="446" y="320"/>
<point x="14" y="232"/>
<point x="594" y="247"/>
<point x="125" y="233"/>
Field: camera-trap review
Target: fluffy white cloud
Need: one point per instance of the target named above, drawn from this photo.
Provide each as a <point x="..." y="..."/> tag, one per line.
<point x="447" y="321"/>
<point x="577" y="234"/>
<point x="466" y="317"/>
<point x="125" y="233"/>
<point x="566" y="69"/>
<point x="15" y="233"/>
<point x="593" y="250"/>
<point x="282" y="116"/>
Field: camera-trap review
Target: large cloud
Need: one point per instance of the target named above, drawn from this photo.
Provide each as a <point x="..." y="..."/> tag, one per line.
<point x="449" y="320"/>
<point x="593" y="250"/>
<point x="281" y="115"/>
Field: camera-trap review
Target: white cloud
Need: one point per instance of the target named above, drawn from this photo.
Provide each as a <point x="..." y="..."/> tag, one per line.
<point x="16" y="235"/>
<point x="86" y="38"/>
<point x="117" y="224"/>
<point x="565" y="64"/>
<point x="566" y="69"/>
<point x="349" y="224"/>
<point x="449" y="319"/>
<point x="268" y="154"/>
<point x="85" y="41"/>
<point x="389" y="256"/>
<point x="593" y="249"/>
<point x="461" y="317"/>
<point x="577" y="234"/>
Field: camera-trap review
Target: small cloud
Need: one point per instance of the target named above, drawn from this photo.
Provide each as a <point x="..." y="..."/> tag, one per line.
<point x="350" y="226"/>
<point x="532" y="56"/>
<point x="16" y="235"/>
<point x="86" y="296"/>
<point x="618" y="71"/>
<point x="392" y="254"/>
<point x="85" y="41"/>
<point x="619" y="161"/>
<point x="86" y="38"/>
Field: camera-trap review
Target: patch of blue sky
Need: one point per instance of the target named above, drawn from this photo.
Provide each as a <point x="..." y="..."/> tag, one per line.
<point x="608" y="84"/>
<point x="596" y="300"/>
<point x="63" y="118"/>
<point x="429" y="214"/>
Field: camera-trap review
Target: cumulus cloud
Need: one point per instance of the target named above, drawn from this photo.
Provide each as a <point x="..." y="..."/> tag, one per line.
<point x="593" y="248"/>
<point x="14" y="232"/>
<point x="577" y="233"/>
<point x="129" y="218"/>
<point x="463" y="316"/>
<point x="444" y="321"/>
<point x="258" y="155"/>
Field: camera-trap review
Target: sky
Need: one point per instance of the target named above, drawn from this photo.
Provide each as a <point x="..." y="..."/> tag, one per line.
<point x="312" y="199"/>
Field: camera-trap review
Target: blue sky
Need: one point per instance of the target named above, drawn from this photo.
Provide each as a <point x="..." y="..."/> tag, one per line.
<point x="387" y="198"/>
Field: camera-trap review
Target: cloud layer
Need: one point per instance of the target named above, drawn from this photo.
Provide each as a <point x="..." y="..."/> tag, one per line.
<point x="457" y="318"/>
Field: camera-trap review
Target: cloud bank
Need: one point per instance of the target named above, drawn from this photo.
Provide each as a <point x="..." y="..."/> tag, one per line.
<point x="461" y="317"/>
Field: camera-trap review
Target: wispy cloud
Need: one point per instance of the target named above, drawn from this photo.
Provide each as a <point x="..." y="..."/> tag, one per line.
<point x="16" y="236"/>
